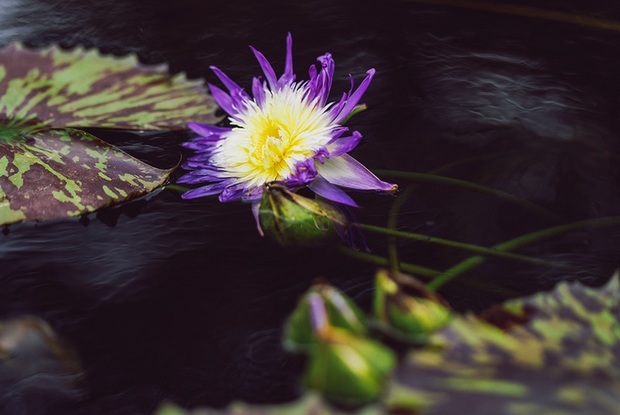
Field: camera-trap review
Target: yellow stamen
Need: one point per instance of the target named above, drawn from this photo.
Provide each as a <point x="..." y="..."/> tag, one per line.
<point x="268" y="141"/>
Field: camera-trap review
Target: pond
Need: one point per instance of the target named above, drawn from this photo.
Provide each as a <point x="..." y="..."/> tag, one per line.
<point x="165" y="299"/>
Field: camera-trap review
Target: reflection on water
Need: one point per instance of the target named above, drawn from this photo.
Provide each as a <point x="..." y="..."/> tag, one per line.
<point x="182" y="300"/>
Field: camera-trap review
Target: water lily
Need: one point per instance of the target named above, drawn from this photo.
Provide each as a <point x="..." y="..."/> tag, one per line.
<point x="287" y="133"/>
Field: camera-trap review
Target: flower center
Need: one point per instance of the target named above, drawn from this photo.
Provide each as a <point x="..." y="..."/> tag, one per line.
<point x="271" y="139"/>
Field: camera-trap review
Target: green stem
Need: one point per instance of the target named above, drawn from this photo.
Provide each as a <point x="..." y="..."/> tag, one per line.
<point x="433" y="178"/>
<point x="418" y="270"/>
<point x="383" y="262"/>
<point x="526" y="239"/>
<point x="400" y="201"/>
<point x="393" y="224"/>
<point x="176" y="187"/>
<point x="462" y="245"/>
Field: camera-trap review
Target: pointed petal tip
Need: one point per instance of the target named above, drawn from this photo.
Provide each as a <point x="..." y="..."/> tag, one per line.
<point x="255" y="213"/>
<point x="390" y="187"/>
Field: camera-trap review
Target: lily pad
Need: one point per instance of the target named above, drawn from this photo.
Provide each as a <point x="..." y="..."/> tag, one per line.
<point x="308" y="404"/>
<point x="83" y="88"/>
<point x="50" y="171"/>
<point x="65" y="172"/>
<point x="556" y="352"/>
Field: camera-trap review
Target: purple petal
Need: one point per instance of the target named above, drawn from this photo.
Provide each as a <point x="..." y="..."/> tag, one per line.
<point x="345" y="171"/>
<point x="325" y="189"/>
<point x="335" y="110"/>
<point x="223" y="99"/>
<point x="258" y="91"/>
<point x="337" y="132"/>
<point x="239" y="99"/>
<point x="312" y="73"/>
<point x="305" y="172"/>
<point x="255" y="212"/>
<point x="228" y="83"/>
<point x="320" y="85"/>
<point x="201" y="147"/>
<point x="206" y="130"/>
<point x="232" y="193"/>
<point x="352" y="101"/>
<point x="251" y="195"/>
<point x="270" y="74"/>
<point x="200" y="175"/>
<point x="208" y="190"/>
<point x="318" y="314"/>
<point x="344" y="144"/>
<point x="326" y="76"/>
<point x="288" y="75"/>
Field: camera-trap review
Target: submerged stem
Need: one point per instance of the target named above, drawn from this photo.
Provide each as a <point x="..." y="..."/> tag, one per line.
<point x="462" y="245"/>
<point x="433" y="178"/>
<point x="378" y="260"/>
<point x="474" y="261"/>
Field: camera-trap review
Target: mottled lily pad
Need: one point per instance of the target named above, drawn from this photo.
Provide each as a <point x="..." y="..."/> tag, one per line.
<point x="83" y="88"/>
<point x="309" y="404"/>
<point x="556" y="352"/>
<point x="551" y="353"/>
<point x="50" y="171"/>
<point x="56" y="173"/>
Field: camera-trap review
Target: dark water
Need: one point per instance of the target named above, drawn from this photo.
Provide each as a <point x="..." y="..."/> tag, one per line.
<point x="164" y="299"/>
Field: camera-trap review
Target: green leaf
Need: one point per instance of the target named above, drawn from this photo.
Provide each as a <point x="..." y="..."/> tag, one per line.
<point x="82" y="88"/>
<point x="49" y="172"/>
<point x="55" y="173"/>
<point x="556" y="352"/>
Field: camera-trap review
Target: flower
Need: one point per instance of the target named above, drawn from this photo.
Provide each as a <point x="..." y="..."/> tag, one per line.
<point x="286" y="133"/>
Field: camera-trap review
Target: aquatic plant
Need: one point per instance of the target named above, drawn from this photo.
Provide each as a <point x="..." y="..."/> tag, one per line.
<point x="286" y="133"/>
<point x="51" y="171"/>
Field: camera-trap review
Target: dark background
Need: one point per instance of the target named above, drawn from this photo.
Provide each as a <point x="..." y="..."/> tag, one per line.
<point x="165" y="299"/>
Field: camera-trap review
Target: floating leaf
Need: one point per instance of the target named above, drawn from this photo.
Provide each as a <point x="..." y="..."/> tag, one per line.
<point x="309" y="404"/>
<point x="555" y="352"/>
<point x="48" y="172"/>
<point x="82" y="88"/>
<point x="53" y="173"/>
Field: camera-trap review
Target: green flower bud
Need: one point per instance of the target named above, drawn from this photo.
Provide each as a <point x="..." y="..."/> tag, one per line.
<point x="405" y="307"/>
<point x="322" y="307"/>
<point x="347" y="368"/>
<point x="291" y="219"/>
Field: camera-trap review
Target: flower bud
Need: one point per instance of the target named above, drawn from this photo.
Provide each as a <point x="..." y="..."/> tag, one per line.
<point x="403" y="306"/>
<point x="322" y="307"/>
<point x="347" y="368"/>
<point x="291" y="219"/>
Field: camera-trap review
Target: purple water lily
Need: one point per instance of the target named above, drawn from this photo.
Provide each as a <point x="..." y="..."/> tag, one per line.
<point x="287" y="133"/>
